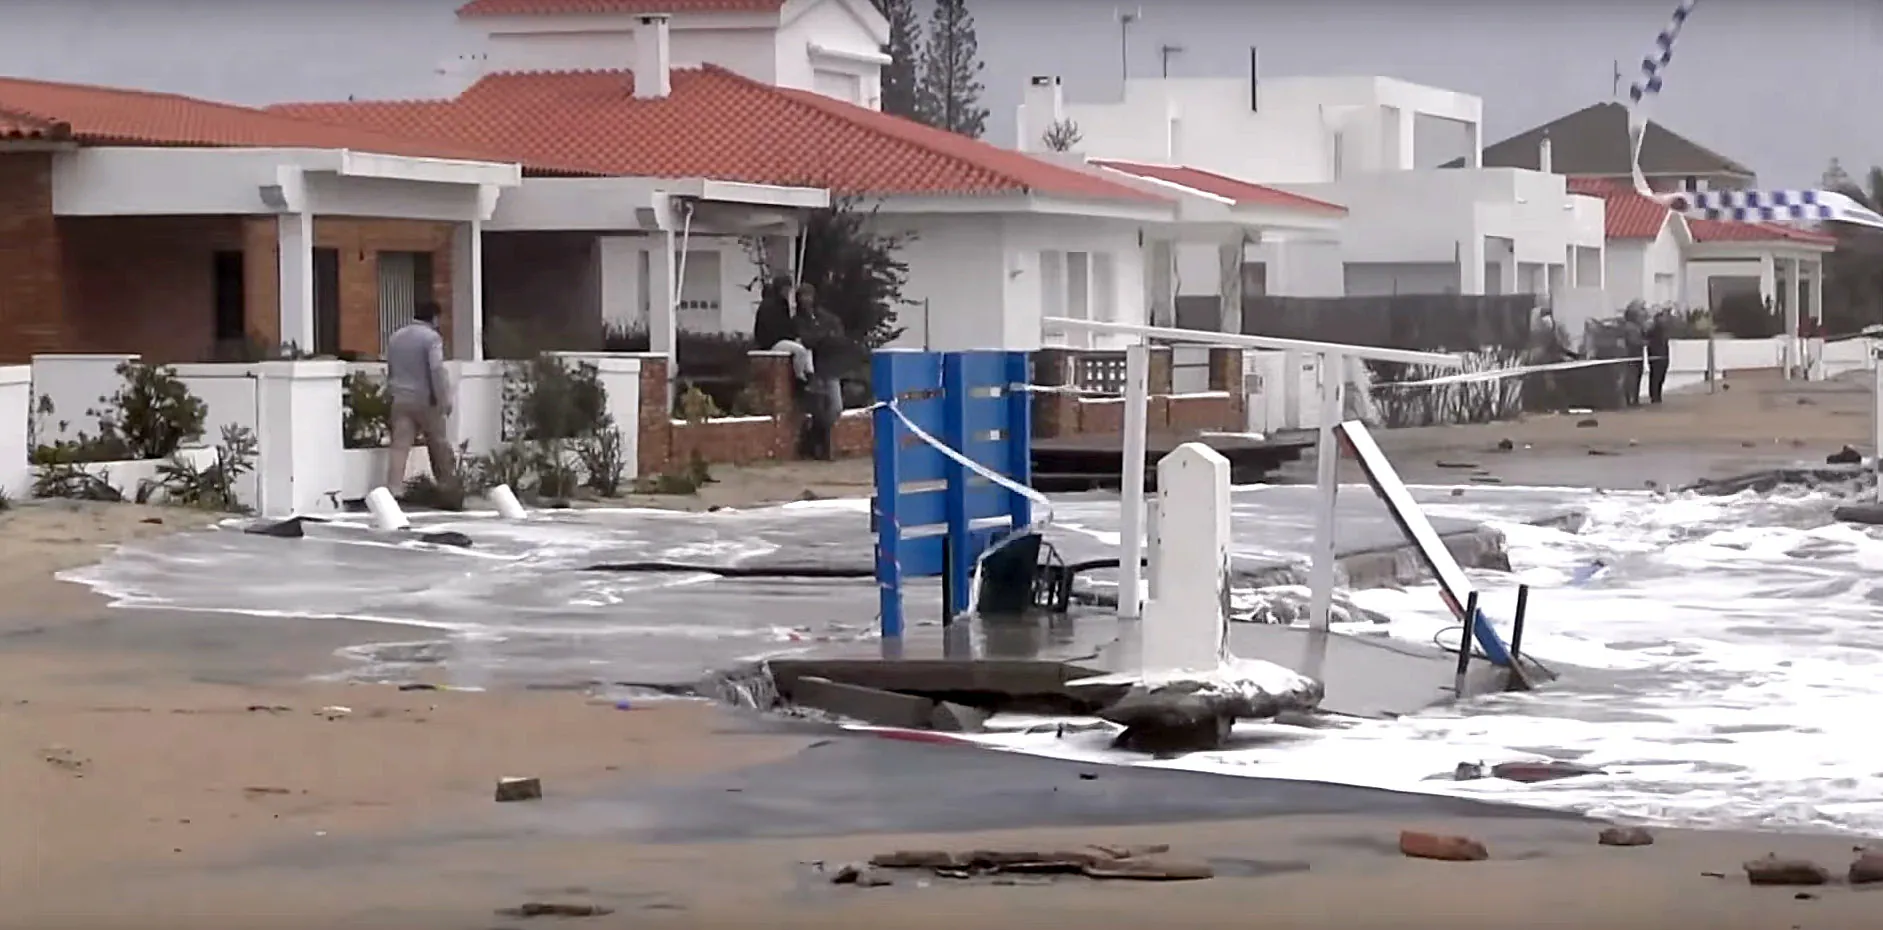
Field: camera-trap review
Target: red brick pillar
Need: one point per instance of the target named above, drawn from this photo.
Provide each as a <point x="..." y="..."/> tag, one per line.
<point x="772" y="380"/>
<point x="1160" y="370"/>
<point x="656" y="439"/>
<point x="1226" y="375"/>
<point x="1055" y="414"/>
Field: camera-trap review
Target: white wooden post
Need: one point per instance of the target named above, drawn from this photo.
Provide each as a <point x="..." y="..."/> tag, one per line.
<point x="1131" y="494"/>
<point x="1327" y="489"/>
<point x="1186" y="626"/>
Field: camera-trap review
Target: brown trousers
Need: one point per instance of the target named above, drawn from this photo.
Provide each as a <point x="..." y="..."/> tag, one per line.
<point x="408" y="423"/>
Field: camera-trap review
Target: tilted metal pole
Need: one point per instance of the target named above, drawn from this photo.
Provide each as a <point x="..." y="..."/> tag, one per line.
<point x="1131" y="494"/>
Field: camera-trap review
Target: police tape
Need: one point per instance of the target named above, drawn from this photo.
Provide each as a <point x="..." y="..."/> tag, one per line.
<point x="1499" y="374"/>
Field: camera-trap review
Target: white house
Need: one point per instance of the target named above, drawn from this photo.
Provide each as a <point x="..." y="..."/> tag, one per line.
<point x="832" y="47"/>
<point x="1361" y="142"/>
<point x="1659" y="258"/>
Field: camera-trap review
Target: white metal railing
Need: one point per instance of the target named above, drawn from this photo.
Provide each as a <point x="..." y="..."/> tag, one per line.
<point x="1332" y="384"/>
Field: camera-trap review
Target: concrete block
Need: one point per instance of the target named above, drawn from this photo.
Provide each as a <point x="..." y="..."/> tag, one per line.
<point x="868" y="705"/>
<point x="949" y="717"/>
<point x="519" y="789"/>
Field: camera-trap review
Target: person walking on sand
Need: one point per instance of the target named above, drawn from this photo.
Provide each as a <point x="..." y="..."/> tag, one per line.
<point x="421" y="398"/>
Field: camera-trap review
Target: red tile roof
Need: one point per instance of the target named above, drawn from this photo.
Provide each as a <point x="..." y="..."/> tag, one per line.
<point x="1720" y="231"/>
<point x="716" y="124"/>
<point x="1627" y="214"/>
<point x="42" y="110"/>
<point x="1632" y="216"/>
<point x="553" y="7"/>
<point x="1209" y="182"/>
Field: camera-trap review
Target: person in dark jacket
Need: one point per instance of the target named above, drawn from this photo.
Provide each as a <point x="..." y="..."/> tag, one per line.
<point x="822" y="333"/>
<point x="772" y="323"/>
<point x="1656" y="339"/>
<point x="1634" y="347"/>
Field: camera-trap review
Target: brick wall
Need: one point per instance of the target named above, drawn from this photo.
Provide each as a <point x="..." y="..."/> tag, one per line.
<point x="357" y="242"/>
<point x="1058" y="414"/>
<point x="144" y="284"/>
<point x="32" y="289"/>
<point x="666" y="443"/>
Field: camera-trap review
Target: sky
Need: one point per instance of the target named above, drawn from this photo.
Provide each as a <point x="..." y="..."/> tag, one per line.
<point x="1782" y="85"/>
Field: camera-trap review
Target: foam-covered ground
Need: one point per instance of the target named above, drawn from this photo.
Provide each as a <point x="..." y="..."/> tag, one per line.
<point x="1725" y="667"/>
<point x="515" y="607"/>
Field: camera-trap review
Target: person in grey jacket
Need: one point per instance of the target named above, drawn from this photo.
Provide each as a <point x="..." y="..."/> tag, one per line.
<point x="421" y="398"/>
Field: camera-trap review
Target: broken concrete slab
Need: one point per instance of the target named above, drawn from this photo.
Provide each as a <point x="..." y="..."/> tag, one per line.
<point x="868" y="705"/>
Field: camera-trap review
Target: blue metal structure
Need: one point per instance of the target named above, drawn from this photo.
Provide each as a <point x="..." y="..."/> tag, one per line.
<point x="933" y="516"/>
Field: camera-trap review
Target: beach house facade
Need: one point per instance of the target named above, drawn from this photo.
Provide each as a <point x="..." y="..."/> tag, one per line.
<point x="1373" y="145"/>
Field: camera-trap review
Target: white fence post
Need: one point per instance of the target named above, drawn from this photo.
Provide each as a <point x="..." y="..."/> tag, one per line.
<point x="16" y="416"/>
<point x="1131" y="493"/>
<point x="300" y="460"/>
<point x="1186" y="624"/>
<point x="1327" y="489"/>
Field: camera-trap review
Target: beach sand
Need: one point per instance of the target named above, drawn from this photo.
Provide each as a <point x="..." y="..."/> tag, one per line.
<point x="160" y="768"/>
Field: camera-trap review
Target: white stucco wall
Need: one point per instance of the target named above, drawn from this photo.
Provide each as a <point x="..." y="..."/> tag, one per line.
<point x="981" y="281"/>
<point x="755" y="45"/>
<point x="1648" y="270"/>
<point x="1215" y="123"/>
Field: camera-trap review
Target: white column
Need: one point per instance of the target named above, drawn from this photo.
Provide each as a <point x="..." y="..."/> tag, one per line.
<point x="467" y="291"/>
<point x="1470" y="253"/>
<point x="1229" y="258"/>
<point x="295" y="234"/>
<point x="1817" y="291"/>
<point x="1794" y="311"/>
<point x="1185" y="625"/>
<point x="1326" y="491"/>
<point x="1474" y="140"/>
<point x="663" y="312"/>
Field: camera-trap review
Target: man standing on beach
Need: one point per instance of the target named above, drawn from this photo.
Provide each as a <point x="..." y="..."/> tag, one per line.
<point x="822" y="333"/>
<point x="1656" y="339"/>
<point x="421" y="398"/>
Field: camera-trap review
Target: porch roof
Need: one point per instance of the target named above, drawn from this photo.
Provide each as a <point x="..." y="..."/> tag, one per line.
<point x="622" y="204"/>
<point x="82" y="114"/>
<point x="717" y="124"/>
<point x="181" y="181"/>
<point x="1233" y="190"/>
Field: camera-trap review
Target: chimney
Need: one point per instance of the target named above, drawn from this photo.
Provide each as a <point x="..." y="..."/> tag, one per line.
<point x="1045" y="104"/>
<point x="653" y="57"/>
<point x="1544" y="162"/>
<point x="1255" y="79"/>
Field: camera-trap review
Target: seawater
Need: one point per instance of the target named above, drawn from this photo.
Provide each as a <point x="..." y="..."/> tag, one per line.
<point x="1721" y="658"/>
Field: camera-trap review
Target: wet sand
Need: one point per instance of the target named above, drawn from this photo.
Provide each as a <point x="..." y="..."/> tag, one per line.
<point x="165" y="767"/>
